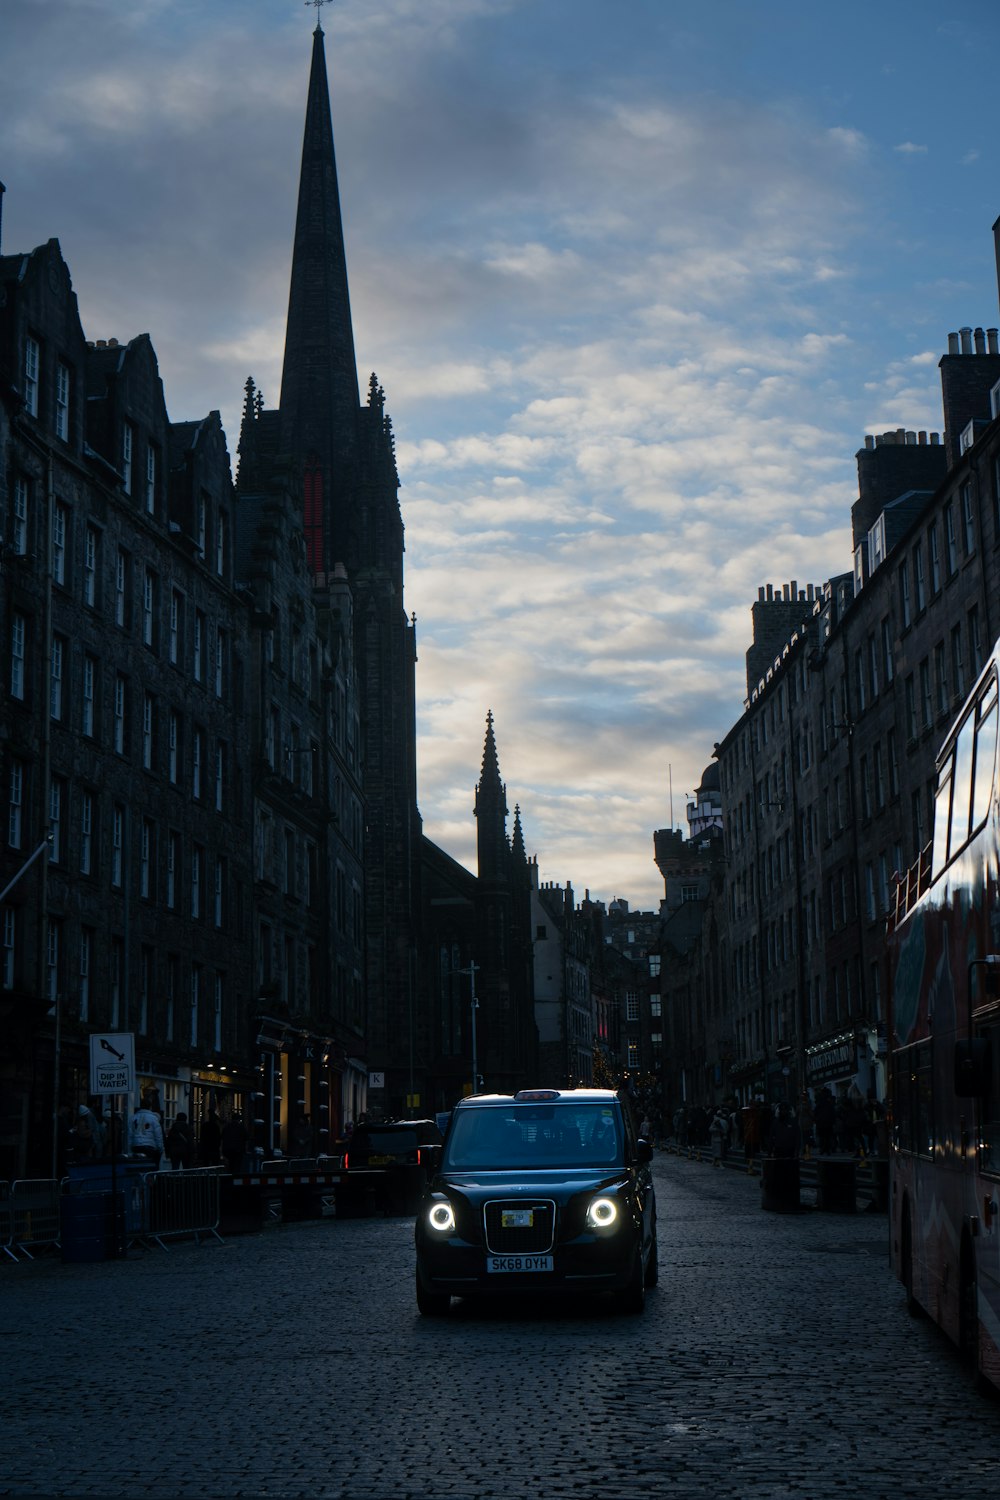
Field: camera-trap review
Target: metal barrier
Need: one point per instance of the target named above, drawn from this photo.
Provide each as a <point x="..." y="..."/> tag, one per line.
<point x="183" y="1203"/>
<point x="34" y="1214"/>
<point x="6" y="1221"/>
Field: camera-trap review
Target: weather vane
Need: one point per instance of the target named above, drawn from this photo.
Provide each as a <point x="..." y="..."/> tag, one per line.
<point x="318" y="4"/>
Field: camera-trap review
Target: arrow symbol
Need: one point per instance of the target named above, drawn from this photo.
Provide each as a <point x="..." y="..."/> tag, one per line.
<point x="114" y="1052"/>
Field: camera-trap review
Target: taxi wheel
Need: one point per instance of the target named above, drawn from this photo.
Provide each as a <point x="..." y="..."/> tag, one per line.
<point x="653" y="1265"/>
<point x="431" y="1304"/>
<point x="633" y="1298"/>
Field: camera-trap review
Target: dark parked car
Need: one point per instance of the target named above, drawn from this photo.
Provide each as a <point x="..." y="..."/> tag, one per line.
<point x="404" y="1152"/>
<point x="547" y="1191"/>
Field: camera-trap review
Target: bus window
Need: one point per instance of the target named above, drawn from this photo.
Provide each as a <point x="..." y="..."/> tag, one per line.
<point x="913" y="1099"/>
<point x="986" y="747"/>
<point x="989" y="1139"/>
<point x="961" y="800"/>
<point x="942" y="819"/>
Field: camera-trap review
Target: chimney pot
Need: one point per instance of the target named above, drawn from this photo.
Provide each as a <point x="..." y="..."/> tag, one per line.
<point x="991" y="340"/>
<point x="953" y="343"/>
<point x="935" y="439"/>
<point x="911" y="438"/>
<point x="760" y="594"/>
<point x="980" y="339"/>
<point x="869" y="442"/>
<point x="966" y="337"/>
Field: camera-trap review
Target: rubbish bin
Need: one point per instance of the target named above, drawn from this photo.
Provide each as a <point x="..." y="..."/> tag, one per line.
<point x="836" y="1184"/>
<point x="779" y="1184"/>
<point x="86" y="1226"/>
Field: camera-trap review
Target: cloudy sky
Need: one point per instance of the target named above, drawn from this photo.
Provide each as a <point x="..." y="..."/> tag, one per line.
<point x="637" y="277"/>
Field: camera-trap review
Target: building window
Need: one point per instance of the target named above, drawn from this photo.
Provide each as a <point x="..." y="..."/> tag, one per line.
<point x="919" y="588"/>
<point x="15" y="804"/>
<point x="172" y="991"/>
<point x="53" y="960"/>
<point x="174" y="748"/>
<point x="56" y="790"/>
<point x="904" y="596"/>
<point x="90" y="553"/>
<point x="86" y="833"/>
<point x="950" y="544"/>
<point x="202" y="525"/>
<point x="117" y="846"/>
<point x="220" y="662"/>
<point x="175" y="627"/>
<point x="218" y="990"/>
<point x="926" y="700"/>
<point x="195" y="998"/>
<point x="19" y="528"/>
<point x="128" y="437"/>
<point x="121" y="702"/>
<point x="220" y="774"/>
<point x="219" y="893"/>
<point x="150" y="479"/>
<point x="18" y="650"/>
<point x="633" y="1054"/>
<point x="197" y="747"/>
<point x="146" y="844"/>
<point x="121" y="589"/>
<point x="934" y="549"/>
<point x="173" y="853"/>
<point x="62" y="401"/>
<point x="148" y="723"/>
<point x="60" y="526"/>
<point x="975" y="643"/>
<point x="197" y="865"/>
<point x="148" y="607"/>
<point x="31" y="364"/>
<point x="85" y="966"/>
<point x="957" y="663"/>
<point x="968" y="520"/>
<point x="87" y="712"/>
<point x="198" y="647"/>
<point x="220" y="544"/>
<point x="911" y="708"/>
<point x="9" y="959"/>
<point x="941" y="678"/>
<point x="631" y="1005"/>
<point x="886" y="650"/>
<point x="59" y="654"/>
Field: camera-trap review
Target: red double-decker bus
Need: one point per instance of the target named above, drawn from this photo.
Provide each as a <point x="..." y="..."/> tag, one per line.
<point x="944" y="953"/>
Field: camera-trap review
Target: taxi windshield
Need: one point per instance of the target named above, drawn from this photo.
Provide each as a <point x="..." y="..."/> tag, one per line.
<point x="534" y="1135"/>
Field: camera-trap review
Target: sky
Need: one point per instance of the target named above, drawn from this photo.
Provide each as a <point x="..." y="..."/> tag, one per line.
<point x="637" y="279"/>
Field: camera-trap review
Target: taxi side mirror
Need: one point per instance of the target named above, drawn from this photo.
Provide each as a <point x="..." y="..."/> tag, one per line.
<point x="644" y="1150"/>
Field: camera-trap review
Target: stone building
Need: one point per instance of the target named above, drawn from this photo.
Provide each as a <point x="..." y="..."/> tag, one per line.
<point x="828" y="778"/>
<point x="124" y="711"/>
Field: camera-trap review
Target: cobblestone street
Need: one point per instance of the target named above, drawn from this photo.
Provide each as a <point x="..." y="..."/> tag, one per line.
<point x="775" y="1358"/>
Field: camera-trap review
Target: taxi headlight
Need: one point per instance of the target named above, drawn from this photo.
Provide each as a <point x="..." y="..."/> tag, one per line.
<point x="602" y="1213"/>
<point x="441" y="1217"/>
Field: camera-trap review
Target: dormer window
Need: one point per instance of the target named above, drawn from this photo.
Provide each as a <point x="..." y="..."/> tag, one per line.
<point x="62" y="402"/>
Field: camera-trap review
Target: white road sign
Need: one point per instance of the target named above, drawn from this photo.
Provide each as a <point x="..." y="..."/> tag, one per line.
<point x="112" y="1062"/>
<point x="376" y="1080"/>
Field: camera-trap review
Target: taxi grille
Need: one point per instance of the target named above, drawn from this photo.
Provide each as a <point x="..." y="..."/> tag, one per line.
<point x="509" y="1239"/>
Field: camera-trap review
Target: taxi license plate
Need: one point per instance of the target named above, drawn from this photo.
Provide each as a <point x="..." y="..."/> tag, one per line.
<point x="518" y="1263"/>
<point x="379" y="1161"/>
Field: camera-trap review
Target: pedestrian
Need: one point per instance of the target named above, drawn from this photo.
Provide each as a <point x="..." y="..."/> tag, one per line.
<point x="825" y="1114"/>
<point x="85" y="1135"/>
<point x="234" y="1143"/>
<point x="180" y="1143"/>
<point x="146" y="1136"/>
<point x="210" y="1143"/>
<point x="718" y="1130"/>
<point x="302" y="1137"/>
<point x="646" y="1129"/>
<point x="784" y="1133"/>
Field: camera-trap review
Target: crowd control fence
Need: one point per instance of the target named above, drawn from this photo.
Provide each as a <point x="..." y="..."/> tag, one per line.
<point x="34" y="1212"/>
<point x="6" y="1221"/>
<point x="181" y="1203"/>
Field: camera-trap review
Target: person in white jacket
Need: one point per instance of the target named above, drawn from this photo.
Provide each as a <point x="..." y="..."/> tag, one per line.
<point x="145" y="1136"/>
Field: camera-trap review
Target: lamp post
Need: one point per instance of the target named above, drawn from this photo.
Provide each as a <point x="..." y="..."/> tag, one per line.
<point x="472" y="971"/>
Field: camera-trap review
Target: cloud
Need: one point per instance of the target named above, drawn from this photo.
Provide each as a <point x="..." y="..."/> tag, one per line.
<point x="909" y="148"/>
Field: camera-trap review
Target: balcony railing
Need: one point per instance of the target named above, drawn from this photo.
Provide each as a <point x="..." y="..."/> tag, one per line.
<point x="910" y="887"/>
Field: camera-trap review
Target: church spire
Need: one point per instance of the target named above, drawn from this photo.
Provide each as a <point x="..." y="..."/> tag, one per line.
<point x="319" y="380"/>
<point x="491" y="811"/>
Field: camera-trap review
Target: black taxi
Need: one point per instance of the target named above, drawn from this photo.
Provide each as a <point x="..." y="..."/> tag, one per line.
<point x="546" y="1191"/>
